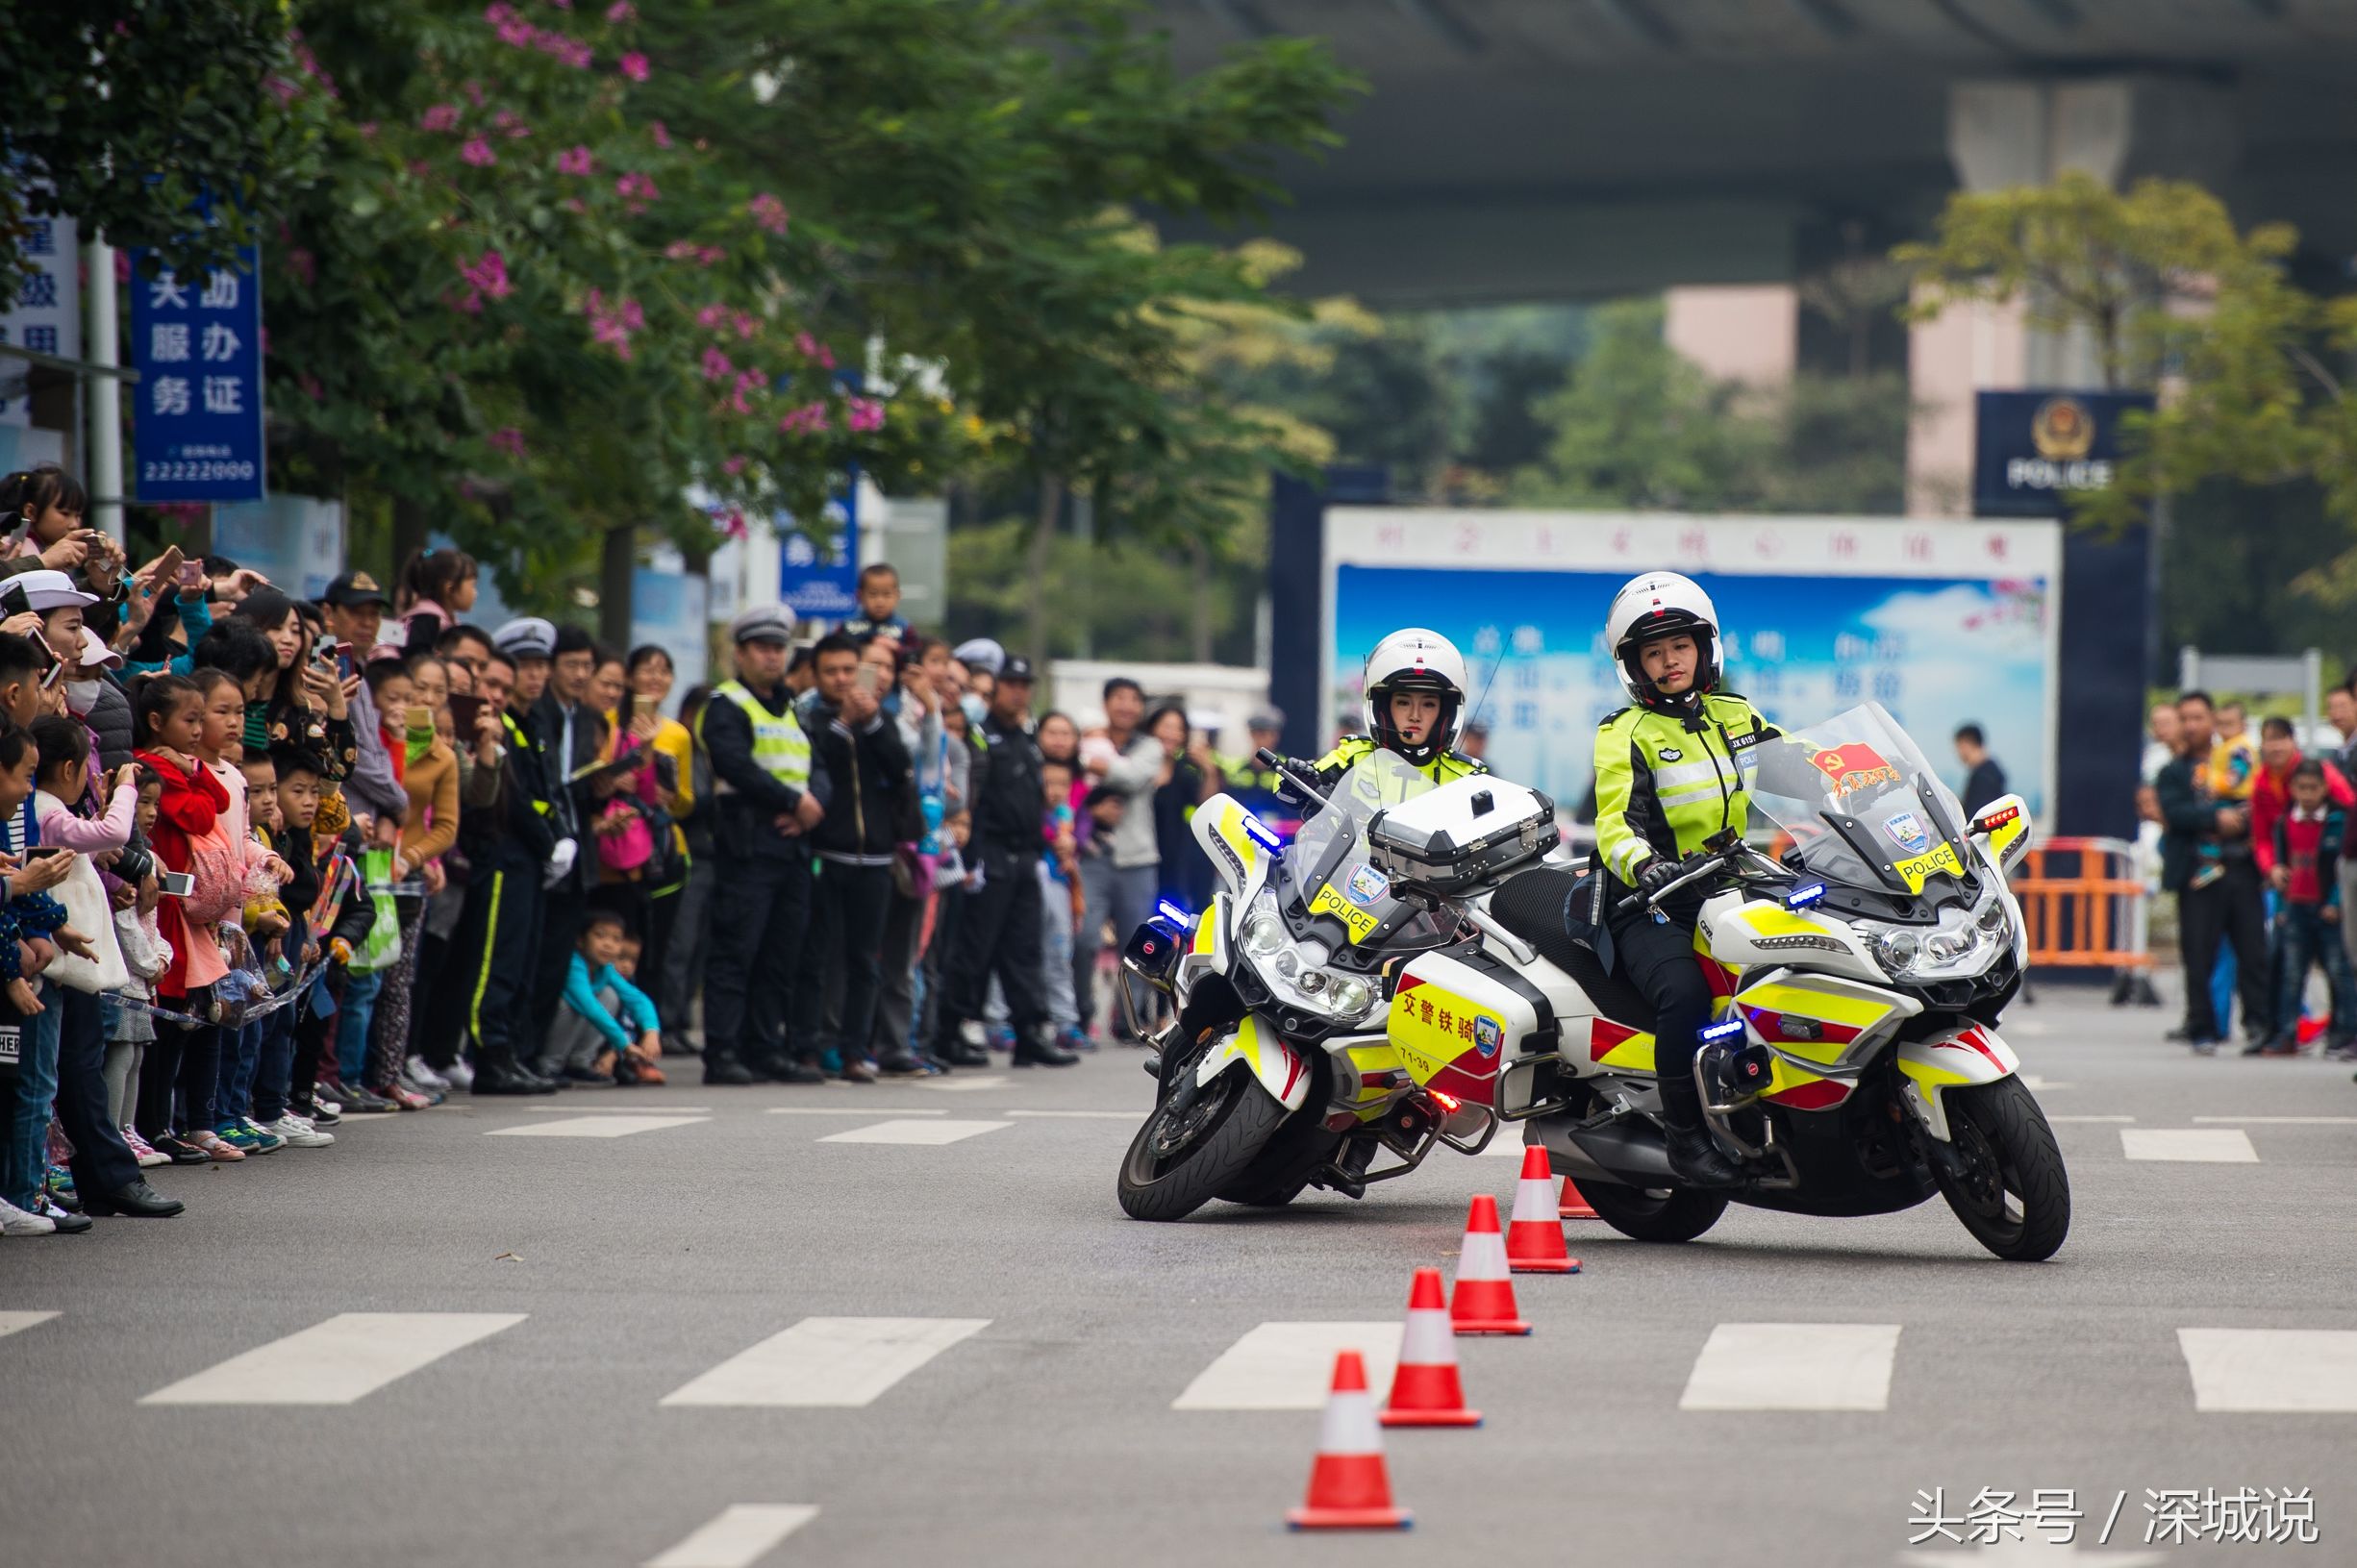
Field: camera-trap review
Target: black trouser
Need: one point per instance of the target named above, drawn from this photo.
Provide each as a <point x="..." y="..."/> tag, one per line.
<point x="848" y="907"/>
<point x="1658" y="959"/>
<point x="103" y="1162"/>
<point x="2233" y="909"/>
<point x="494" y="955"/>
<point x="904" y="921"/>
<point x="761" y="903"/>
<point x="561" y="911"/>
<point x="998" y="932"/>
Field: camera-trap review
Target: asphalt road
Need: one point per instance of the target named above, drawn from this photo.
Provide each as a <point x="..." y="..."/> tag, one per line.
<point x="567" y="1383"/>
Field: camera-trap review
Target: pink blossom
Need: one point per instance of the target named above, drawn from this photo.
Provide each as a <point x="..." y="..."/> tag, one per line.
<point x="489" y="274"/>
<point x="661" y="135"/>
<point x="575" y="160"/>
<point x="679" y="250"/>
<point x="420" y="169"/>
<point x="750" y="384"/>
<point x="716" y="366"/>
<point x="732" y="466"/>
<point x="566" y="51"/>
<point x="518" y="33"/>
<point x="809" y="419"/>
<point x="632" y="65"/>
<point x="284" y="90"/>
<point x="708" y="317"/>
<point x="509" y="440"/>
<point x="769" y="212"/>
<point x="621" y="13"/>
<point x="863" y="414"/>
<point x="811" y="349"/>
<point x="732" y="523"/>
<point x="441" y="117"/>
<point x="367" y="130"/>
<point x="478" y="152"/>
<point x="612" y="325"/>
<point x="474" y="92"/>
<point x="562" y="5"/>
<point x="499" y="15"/>
<point x="471" y="303"/>
<point x="637" y="191"/>
<point x="122" y="266"/>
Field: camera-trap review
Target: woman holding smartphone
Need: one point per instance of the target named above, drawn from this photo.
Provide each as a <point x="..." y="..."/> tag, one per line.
<point x="664" y="780"/>
<point x="306" y="703"/>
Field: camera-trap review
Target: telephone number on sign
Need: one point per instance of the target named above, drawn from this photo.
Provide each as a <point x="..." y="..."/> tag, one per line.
<point x="166" y="472"/>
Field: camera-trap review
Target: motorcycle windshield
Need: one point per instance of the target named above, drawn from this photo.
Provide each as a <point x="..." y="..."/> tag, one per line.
<point x="1328" y="866"/>
<point x="1861" y="803"/>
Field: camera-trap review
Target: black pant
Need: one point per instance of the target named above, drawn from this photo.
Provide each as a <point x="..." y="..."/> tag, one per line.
<point x="561" y="911"/>
<point x="904" y="921"/>
<point x="1658" y="959"/>
<point x="998" y="932"/>
<point x="761" y="905"/>
<point x="2232" y="908"/>
<point x="848" y="908"/>
<point x="493" y="956"/>
<point x="103" y="1162"/>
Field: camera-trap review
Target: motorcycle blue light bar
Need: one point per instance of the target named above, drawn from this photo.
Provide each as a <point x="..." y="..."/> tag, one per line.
<point x="1724" y="1032"/>
<point x="1174" y="915"/>
<point x="1263" y="835"/>
<point x="1801" y="898"/>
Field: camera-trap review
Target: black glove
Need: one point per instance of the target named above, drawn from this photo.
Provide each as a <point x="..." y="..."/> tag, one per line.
<point x="1658" y="872"/>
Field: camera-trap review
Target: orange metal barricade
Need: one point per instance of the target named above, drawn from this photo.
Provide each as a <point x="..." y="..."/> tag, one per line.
<point x="2084" y="905"/>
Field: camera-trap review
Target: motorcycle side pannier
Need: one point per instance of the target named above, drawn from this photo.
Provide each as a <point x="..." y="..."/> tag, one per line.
<point x="1463" y="835"/>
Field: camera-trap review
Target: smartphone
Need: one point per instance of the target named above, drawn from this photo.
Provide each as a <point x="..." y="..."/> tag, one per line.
<point x="869" y="675"/>
<point x="42" y="852"/>
<point x="642" y="702"/>
<point x="191" y="573"/>
<point x="323" y="651"/>
<point x="422" y="717"/>
<point x="465" y="712"/>
<point x="177" y="883"/>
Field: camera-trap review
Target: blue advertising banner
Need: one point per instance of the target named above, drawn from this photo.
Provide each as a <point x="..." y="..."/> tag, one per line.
<point x="2030" y="450"/>
<point x="822" y="584"/>
<point x="1943" y="624"/>
<point x="198" y="346"/>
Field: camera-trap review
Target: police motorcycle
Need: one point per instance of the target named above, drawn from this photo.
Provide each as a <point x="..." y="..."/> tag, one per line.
<point x="1853" y="1067"/>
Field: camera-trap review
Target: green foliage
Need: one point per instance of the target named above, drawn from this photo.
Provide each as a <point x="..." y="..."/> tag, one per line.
<point x="125" y="114"/>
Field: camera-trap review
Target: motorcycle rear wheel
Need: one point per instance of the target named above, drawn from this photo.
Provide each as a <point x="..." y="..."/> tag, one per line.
<point x="1670" y="1215"/>
<point x="2015" y="1196"/>
<point x="1172" y="1170"/>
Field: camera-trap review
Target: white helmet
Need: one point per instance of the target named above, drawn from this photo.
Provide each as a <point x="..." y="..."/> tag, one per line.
<point x="1654" y="606"/>
<point x="1415" y="660"/>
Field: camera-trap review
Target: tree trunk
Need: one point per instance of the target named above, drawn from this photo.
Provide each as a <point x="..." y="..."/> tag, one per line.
<point x="617" y="561"/>
<point x="1200" y="611"/>
<point x="410" y="526"/>
<point x="1042" y="537"/>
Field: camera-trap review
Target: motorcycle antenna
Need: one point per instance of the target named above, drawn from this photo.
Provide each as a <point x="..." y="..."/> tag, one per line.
<point x="1473" y="717"/>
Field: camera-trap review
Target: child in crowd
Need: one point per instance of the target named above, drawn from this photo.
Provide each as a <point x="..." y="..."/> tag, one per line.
<point x="2308" y="840"/>
<point x="588" y="1036"/>
<point x="641" y="1064"/>
<point x="28" y="922"/>
<point x="129" y="1027"/>
<point x="333" y="912"/>
<point x="1059" y="879"/>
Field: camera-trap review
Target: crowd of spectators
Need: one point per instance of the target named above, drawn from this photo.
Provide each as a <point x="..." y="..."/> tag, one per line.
<point x="272" y="862"/>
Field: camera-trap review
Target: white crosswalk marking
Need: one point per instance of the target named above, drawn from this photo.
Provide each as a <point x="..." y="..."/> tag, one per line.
<point x="1504" y="1149"/>
<point x="2059" y="1119"/>
<point x="1793" y="1367"/>
<point x="351" y="1355"/>
<point x="739" y="1536"/>
<point x="1086" y="1115"/>
<point x="913" y="1132"/>
<point x="832" y="1361"/>
<point x="855" y="1111"/>
<point x="1289" y="1366"/>
<point x="609" y="1126"/>
<point x="2283" y="1121"/>
<point x="17" y="1322"/>
<point x="615" y="1110"/>
<point x="961" y="1084"/>
<point x="2303" y="1370"/>
<point x="2206" y="1145"/>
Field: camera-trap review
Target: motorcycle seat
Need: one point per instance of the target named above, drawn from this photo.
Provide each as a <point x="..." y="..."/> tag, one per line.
<point x="1536" y="907"/>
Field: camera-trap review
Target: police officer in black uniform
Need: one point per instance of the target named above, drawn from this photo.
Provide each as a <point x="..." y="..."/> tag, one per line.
<point x="1000" y="930"/>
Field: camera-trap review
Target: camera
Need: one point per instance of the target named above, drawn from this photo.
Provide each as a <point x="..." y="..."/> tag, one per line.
<point x="134" y="864"/>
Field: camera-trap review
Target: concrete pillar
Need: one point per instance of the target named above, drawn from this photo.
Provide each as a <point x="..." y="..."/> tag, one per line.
<point x="1747" y="333"/>
<point x="2009" y="133"/>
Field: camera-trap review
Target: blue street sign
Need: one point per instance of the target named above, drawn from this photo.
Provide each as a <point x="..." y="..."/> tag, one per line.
<point x="198" y="349"/>
<point x="2033" y="449"/>
<point x="819" y="584"/>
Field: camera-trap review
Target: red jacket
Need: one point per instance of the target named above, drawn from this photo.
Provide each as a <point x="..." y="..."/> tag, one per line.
<point x="188" y="807"/>
<point x="2270" y="796"/>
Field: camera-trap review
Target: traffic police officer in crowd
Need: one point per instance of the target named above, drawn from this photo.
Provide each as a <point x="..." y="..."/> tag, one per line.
<point x="1414" y="707"/>
<point x="770" y="793"/>
<point x="509" y="830"/>
<point x="998" y="932"/>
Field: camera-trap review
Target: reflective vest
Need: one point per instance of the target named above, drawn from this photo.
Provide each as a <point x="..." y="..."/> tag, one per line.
<point x="1665" y="788"/>
<point x="780" y="748"/>
<point x="1446" y="768"/>
<point x="524" y="743"/>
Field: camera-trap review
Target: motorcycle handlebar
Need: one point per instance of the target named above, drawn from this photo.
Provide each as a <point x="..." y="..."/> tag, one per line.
<point x="1710" y="866"/>
<point x="1300" y="777"/>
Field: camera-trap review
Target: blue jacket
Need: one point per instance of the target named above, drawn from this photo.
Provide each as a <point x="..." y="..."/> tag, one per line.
<point x="581" y="989"/>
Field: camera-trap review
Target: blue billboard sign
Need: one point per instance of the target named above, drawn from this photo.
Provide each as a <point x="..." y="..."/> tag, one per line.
<point x="197" y="345"/>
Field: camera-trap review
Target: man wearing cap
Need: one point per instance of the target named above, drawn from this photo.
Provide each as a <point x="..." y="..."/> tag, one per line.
<point x="1000" y="931"/>
<point x="354" y="610"/>
<point x="1252" y="785"/>
<point x="568" y="729"/>
<point x="509" y="841"/>
<point x="770" y="792"/>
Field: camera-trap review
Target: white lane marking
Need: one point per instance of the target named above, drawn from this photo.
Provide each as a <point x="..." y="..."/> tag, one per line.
<point x="2091" y="1118"/>
<point x="738" y="1536"/>
<point x="1289" y="1366"/>
<point x="2283" y="1121"/>
<point x="836" y="1361"/>
<point x="2205" y="1145"/>
<point x="593" y="1127"/>
<point x="2033" y="1081"/>
<point x="17" y="1322"/>
<point x="336" y="1362"/>
<point x="1087" y="1115"/>
<point x="2304" y="1370"/>
<point x="1793" y="1367"/>
<point x="1504" y="1149"/>
<point x="962" y="1086"/>
<point x="615" y="1110"/>
<point x="944" y="1132"/>
<point x="856" y="1110"/>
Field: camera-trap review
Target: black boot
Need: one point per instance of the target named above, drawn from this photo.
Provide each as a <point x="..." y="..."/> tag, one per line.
<point x="1695" y="1157"/>
<point x="1030" y="1051"/>
<point x="721" y="1068"/>
<point x="497" y="1076"/>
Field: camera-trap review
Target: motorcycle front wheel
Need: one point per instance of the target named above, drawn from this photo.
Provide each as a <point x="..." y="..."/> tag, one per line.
<point x="1674" y="1214"/>
<point x="1179" y="1161"/>
<point x="2013" y="1193"/>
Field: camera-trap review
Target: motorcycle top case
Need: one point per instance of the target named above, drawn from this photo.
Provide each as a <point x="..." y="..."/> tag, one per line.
<point x="1462" y="835"/>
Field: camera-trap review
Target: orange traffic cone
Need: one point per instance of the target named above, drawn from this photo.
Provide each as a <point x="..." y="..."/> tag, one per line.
<point x="1534" y="1238"/>
<point x="1484" y="1298"/>
<point x="1425" y="1391"/>
<point x="1349" y="1488"/>
<point x="1573" y="1205"/>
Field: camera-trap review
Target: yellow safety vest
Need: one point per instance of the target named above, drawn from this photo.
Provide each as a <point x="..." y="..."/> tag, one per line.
<point x="780" y="748"/>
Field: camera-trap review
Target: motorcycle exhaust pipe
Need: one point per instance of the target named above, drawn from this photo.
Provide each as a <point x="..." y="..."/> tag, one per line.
<point x="1628" y="1152"/>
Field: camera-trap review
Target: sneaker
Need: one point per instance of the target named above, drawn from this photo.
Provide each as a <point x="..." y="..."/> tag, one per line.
<point x="181" y="1151"/>
<point x="1000" y="1039"/>
<point x="16" y="1222"/>
<point x="65" y="1222"/>
<point x="401" y="1096"/>
<point x="297" y="1132"/>
<point x="247" y="1138"/>
<point x="271" y="1141"/>
<point x="425" y="1078"/>
<point x="458" y="1075"/>
<point x="217" y="1148"/>
<point x="59" y="1183"/>
<point x="324" y="1105"/>
<point x="147" y="1155"/>
<point x="362" y="1103"/>
<point x="1075" y="1039"/>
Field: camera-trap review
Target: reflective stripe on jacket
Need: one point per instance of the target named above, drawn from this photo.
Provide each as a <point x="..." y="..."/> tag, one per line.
<point x="1666" y="784"/>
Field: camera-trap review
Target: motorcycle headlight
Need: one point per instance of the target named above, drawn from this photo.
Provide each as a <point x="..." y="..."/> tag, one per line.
<point x="1297" y="971"/>
<point x="1961" y="945"/>
<point x="1264" y="934"/>
<point x="1350" y="996"/>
